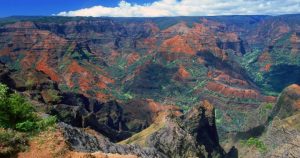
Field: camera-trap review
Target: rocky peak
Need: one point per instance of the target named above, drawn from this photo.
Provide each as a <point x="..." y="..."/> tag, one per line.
<point x="191" y="135"/>
<point x="288" y="102"/>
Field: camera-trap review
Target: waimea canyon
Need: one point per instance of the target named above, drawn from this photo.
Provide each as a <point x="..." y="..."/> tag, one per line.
<point x="161" y="87"/>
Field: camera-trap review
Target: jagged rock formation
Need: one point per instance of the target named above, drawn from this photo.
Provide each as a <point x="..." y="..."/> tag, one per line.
<point x="191" y="135"/>
<point x="79" y="140"/>
<point x="283" y="134"/>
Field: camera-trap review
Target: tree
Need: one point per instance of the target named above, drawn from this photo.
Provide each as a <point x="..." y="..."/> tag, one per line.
<point x="14" y="109"/>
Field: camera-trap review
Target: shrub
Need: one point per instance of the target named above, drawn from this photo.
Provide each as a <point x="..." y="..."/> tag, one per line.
<point x="255" y="142"/>
<point x="14" y="109"/>
<point x="11" y="142"/>
<point x="46" y="122"/>
<point x="268" y="106"/>
<point x="26" y="126"/>
<point x="51" y="96"/>
<point x="17" y="113"/>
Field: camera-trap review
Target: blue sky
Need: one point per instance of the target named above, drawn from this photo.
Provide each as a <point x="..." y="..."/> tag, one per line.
<point x="148" y="8"/>
<point x="49" y="7"/>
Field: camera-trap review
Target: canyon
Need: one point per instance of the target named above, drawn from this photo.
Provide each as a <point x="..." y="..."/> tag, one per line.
<point x="129" y="84"/>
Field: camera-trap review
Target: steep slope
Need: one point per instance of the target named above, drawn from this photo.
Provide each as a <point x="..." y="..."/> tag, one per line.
<point x="284" y="132"/>
<point x="191" y="135"/>
<point x="278" y="135"/>
<point x="194" y="133"/>
<point x="174" y="61"/>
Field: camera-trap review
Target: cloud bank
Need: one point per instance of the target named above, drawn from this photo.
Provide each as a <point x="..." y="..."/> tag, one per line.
<point x="191" y="8"/>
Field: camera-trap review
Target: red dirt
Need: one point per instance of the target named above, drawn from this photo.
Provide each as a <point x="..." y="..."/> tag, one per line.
<point x="267" y="67"/>
<point x="225" y="78"/>
<point x="132" y="58"/>
<point x="177" y="44"/>
<point x="85" y="76"/>
<point x="101" y="85"/>
<point x="209" y="108"/>
<point x="231" y="91"/>
<point x="52" y="144"/>
<point x="183" y="73"/>
<point x="42" y="65"/>
<point x="264" y="57"/>
<point x="46" y="145"/>
<point x="156" y="107"/>
<point x="28" y="60"/>
<point x="102" y="97"/>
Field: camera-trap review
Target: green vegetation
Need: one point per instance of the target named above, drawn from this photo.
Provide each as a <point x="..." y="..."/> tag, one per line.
<point x="14" y="109"/>
<point x="18" y="114"/>
<point x="185" y="108"/>
<point x="11" y="142"/>
<point x="52" y="96"/>
<point x="255" y="142"/>
<point x="265" y="109"/>
<point x="18" y="121"/>
<point x="268" y="106"/>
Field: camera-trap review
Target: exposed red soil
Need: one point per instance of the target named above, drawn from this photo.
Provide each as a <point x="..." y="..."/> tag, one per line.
<point x="222" y="77"/>
<point x="182" y="73"/>
<point x="4" y="51"/>
<point x="102" y="97"/>
<point x="106" y="80"/>
<point x="46" y="145"/>
<point x="156" y="107"/>
<point x="84" y="79"/>
<point x="102" y="84"/>
<point x="113" y="55"/>
<point x="42" y="65"/>
<point x="231" y="91"/>
<point x="267" y="67"/>
<point x="150" y="42"/>
<point x="177" y="44"/>
<point x="225" y="78"/>
<point x="132" y="58"/>
<point x="29" y="59"/>
<point x="51" y="144"/>
<point x="269" y="99"/>
<point x="209" y="108"/>
<point x="265" y="57"/>
<point x="153" y="27"/>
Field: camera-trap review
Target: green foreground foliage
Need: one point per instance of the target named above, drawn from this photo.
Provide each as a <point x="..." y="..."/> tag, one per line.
<point x="18" y="121"/>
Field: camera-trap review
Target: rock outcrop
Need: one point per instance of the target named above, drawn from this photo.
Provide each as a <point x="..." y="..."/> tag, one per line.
<point x="80" y="140"/>
<point x="191" y="135"/>
<point x="288" y="102"/>
<point x="283" y="133"/>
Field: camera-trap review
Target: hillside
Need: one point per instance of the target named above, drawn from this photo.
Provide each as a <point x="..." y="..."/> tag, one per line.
<point x="118" y="75"/>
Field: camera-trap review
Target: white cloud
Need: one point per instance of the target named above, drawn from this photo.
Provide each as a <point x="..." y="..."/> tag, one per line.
<point x="191" y="8"/>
